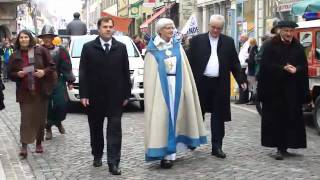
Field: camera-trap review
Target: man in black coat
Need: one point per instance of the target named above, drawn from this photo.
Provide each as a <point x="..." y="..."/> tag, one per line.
<point x="212" y="57"/>
<point x="283" y="88"/>
<point x="104" y="79"/>
<point x="76" y="27"/>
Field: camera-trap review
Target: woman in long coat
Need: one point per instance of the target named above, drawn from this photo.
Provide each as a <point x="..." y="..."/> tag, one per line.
<point x="33" y="70"/>
<point x="283" y="88"/>
<point x="172" y="109"/>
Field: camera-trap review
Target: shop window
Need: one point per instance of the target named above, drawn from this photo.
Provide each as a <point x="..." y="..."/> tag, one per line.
<point x="318" y="46"/>
<point x="306" y="42"/>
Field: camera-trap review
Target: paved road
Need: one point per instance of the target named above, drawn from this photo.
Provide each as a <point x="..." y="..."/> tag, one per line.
<point x="68" y="156"/>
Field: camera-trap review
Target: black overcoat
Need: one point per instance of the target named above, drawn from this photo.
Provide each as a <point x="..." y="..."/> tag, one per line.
<point x="104" y="78"/>
<point x="199" y="54"/>
<point x="283" y="94"/>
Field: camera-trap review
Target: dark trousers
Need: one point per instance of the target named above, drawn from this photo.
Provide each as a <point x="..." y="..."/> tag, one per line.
<point x="114" y="137"/>
<point x="209" y="95"/>
<point x="243" y="95"/>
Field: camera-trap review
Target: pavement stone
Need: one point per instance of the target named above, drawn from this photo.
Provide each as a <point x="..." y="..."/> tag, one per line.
<point x="67" y="157"/>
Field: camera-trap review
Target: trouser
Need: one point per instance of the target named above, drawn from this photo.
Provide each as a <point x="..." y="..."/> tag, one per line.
<point x="243" y="95"/>
<point x="114" y="137"/>
<point x="210" y="96"/>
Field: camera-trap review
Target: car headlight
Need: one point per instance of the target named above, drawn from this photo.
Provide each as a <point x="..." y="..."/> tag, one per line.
<point x="140" y="71"/>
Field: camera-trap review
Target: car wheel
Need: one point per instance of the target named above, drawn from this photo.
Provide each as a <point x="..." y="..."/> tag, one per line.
<point x="141" y="105"/>
<point x="316" y="114"/>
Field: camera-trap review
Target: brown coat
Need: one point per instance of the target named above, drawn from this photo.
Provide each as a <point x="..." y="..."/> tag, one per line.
<point x="43" y="61"/>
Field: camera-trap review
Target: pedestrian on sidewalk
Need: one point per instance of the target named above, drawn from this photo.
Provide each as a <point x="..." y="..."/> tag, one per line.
<point x="7" y="51"/>
<point x="283" y="88"/>
<point x="57" y="106"/>
<point x="212" y="57"/>
<point x="105" y="88"/>
<point x="253" y="50"/>
<point x="173" y="115"/>
<point x="33" y="70"/>
<point x="243" y="56"/>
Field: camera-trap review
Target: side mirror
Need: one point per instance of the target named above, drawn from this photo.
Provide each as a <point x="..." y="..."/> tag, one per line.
<point x="143" y="53"/>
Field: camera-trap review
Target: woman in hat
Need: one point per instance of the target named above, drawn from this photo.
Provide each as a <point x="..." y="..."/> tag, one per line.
<point x="57" y="107"/>
<point x="173" y="115"/>
<point x="33" y="70"/>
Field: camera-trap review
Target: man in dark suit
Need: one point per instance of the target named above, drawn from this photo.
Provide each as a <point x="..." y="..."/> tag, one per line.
<point x="104" y="79"/>
<point x="212" y="57"/>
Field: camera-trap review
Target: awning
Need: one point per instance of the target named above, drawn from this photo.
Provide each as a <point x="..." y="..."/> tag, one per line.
<point x="155" y="16"/>
<point x="305" y="6"/>
<point x="120" y="23"/>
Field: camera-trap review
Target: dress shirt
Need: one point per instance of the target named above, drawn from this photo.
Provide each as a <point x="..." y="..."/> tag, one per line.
<point x="212" y="69"/>
<point x="244" y="54"/>
<point x="104" y="42"/>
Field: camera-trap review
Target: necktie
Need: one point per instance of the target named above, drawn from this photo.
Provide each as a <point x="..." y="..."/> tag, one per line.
<point x="107" y="48"/>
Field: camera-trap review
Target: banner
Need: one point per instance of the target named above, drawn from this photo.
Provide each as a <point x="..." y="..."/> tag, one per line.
<point x="191" y="28"/>
<point x="134" y="10"/>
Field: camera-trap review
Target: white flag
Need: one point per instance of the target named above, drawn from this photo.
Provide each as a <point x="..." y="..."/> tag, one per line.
<point x="191" y="28"/>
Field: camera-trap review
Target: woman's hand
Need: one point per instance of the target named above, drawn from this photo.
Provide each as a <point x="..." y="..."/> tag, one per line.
<point x="21" y="74"/>
<point x="39" y="73"/>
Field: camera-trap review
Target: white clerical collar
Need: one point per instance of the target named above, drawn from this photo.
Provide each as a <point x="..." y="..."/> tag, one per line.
<point x="213" y="38"/>
<point x="104" y="42"/>
<point x="159" y="41"/>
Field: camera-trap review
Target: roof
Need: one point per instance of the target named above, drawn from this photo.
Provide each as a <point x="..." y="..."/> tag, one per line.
<point x="309" y="24"/>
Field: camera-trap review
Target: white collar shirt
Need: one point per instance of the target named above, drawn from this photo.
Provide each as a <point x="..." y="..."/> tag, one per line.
<point x="244" y="54"/>
<point x="161" y="44"/>
<point x="104" y="42"/>
<point x="212" y="69"/>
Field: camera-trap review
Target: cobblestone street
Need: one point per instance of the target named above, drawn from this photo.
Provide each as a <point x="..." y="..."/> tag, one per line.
<point x="68" y="156"/>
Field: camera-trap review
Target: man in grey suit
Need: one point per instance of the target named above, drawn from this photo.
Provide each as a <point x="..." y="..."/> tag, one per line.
<point x="76" y="27"/>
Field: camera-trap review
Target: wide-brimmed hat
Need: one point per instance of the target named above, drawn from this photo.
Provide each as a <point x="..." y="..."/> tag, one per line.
<point x="274" y="26"/>
<point x="47" y="30"/>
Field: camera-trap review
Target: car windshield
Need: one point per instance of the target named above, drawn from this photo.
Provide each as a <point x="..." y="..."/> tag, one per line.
<point x="78" y="44"/>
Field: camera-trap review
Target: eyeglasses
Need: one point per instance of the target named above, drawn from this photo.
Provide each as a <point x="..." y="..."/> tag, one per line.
<point x="168" y="27"/>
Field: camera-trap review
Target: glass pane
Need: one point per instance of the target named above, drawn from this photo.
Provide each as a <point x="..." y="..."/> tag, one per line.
<point x="306" y="42"/>
<point x="318" y="46"/>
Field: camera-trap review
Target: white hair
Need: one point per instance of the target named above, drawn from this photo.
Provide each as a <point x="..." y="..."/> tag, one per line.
<point x="217" y="18"/>
<point x="162" y="22"/>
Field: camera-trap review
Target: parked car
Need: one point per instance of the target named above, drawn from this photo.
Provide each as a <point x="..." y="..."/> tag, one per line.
<point x="136" y="64"/>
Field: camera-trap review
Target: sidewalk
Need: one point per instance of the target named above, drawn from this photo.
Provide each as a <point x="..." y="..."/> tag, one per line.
<point x="11" y="166"/>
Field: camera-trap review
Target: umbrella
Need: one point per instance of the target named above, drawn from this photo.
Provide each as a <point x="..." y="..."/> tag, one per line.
<point x="301" y="7"/>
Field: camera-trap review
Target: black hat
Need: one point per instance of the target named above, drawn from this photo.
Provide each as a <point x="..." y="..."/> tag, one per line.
<point x="47" y="30"/>
<point x="274" y="26"/>
<point x="288" y="24"/>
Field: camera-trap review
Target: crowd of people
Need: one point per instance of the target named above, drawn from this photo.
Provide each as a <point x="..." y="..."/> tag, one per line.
<point x="181" y="84"/>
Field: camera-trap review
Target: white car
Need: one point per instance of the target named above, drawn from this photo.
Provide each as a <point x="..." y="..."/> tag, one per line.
<point x="136" y="64"/>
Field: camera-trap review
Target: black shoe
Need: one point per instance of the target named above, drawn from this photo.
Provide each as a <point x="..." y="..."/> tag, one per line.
<point x="219" y="153"/>
<point x="114" y="170"/>
<point x="192" y="148"/>
<point x="97" y="162"/>
<point x="166" y="164"/>
<point x="278" y="156"/>
<point x="251" y="103"/>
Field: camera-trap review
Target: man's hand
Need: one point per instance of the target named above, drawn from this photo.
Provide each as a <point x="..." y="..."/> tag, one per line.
<point x="84" y="102"/>
<point x="21" y="74"/>
<point x="125" y="102"/>
<point x="39" y="73"/>
<point x="244" y="86"/>
<point x="291" y="69"/>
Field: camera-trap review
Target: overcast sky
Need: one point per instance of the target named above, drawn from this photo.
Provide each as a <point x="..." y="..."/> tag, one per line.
<point x="63" y="8"/>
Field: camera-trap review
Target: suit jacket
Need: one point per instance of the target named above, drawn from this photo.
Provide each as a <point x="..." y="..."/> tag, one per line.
<point x="104" y="78"/>
<point x="199" y="54"/>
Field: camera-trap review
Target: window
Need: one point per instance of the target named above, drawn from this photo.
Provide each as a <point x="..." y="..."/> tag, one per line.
<point x="306" y="41"/>
<point x="318" y="46"/>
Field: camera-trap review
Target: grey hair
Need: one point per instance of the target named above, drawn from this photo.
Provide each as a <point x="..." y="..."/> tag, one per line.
<point x="162" y="22"/>
<point x="217" y="18"/>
